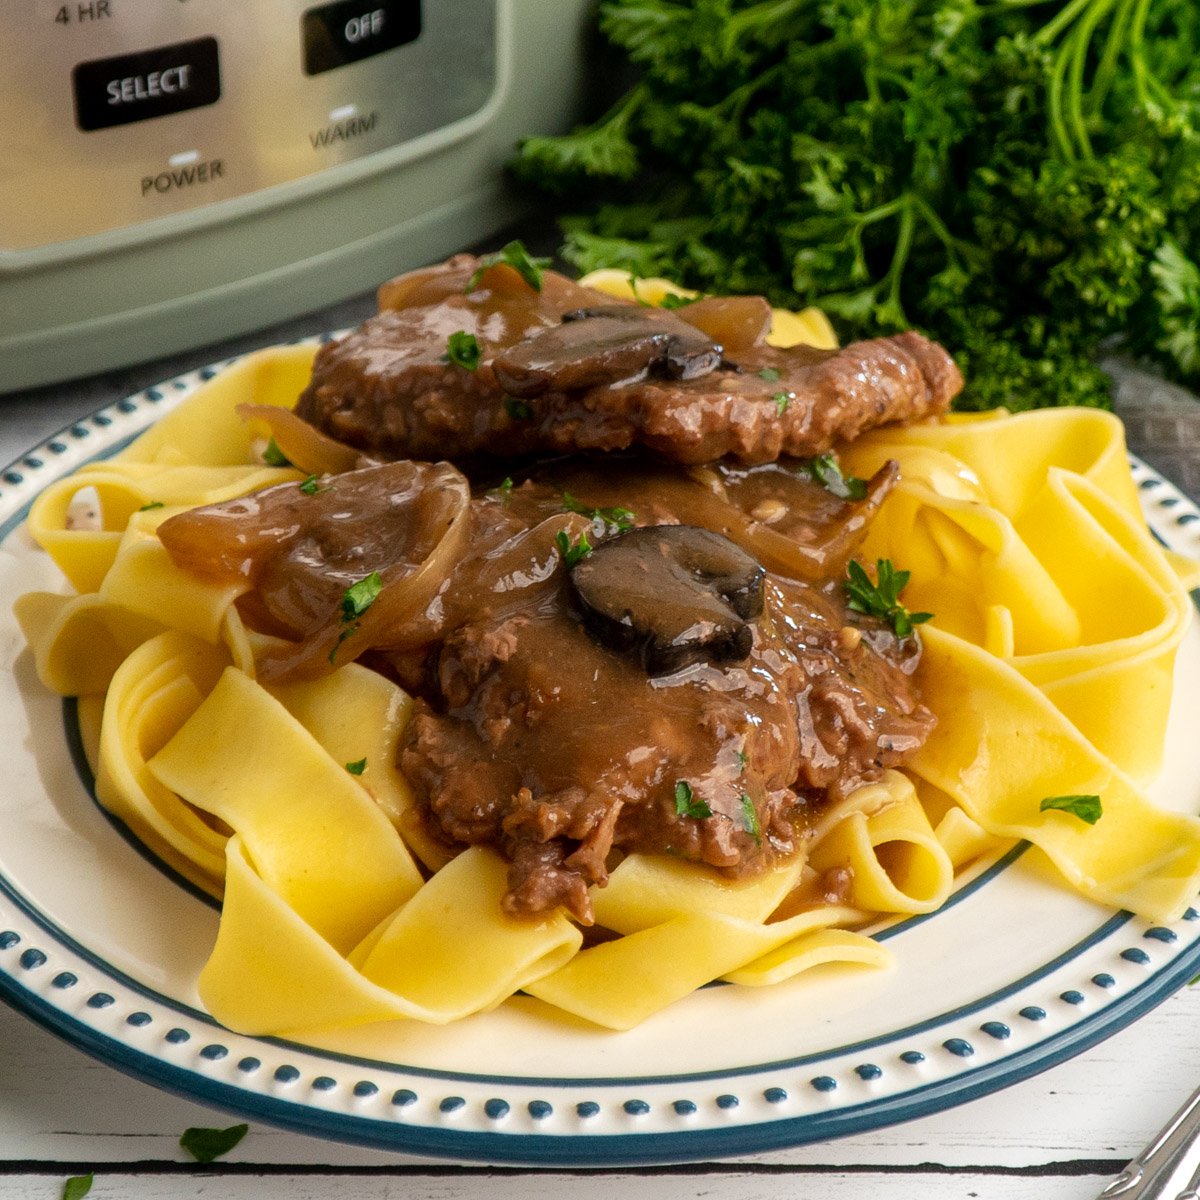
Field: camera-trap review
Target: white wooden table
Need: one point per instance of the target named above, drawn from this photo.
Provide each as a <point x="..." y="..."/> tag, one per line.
<point x="1057" y="1136"/>
<point x="1054" y="1137"/>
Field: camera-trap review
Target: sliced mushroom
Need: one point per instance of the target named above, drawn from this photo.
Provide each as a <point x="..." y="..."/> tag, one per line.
<point x="613" y="343"/>
<point x="671" y="594"/>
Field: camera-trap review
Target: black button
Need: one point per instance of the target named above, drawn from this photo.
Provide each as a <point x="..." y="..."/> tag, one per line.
<point x="151" y="83"/>
<point x="348" y="31"/>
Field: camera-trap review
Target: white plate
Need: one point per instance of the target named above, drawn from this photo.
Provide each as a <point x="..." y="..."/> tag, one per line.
<point x="101" y="945"/>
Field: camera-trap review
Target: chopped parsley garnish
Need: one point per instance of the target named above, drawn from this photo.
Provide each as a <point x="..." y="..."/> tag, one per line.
<point x="274" y="457"/>
<point x="621" y="519"/>
<point x="516" y="256"/>
<point x="357" y="768"/>
<point x="349" y="631"/>
<point x="750" y="820"/>
<point x="205" y="1145"/>
<point x="518" y="410"/>
<point x="825" y="470"/>
<point x="674" y="300"/>
<point x="882" y="599"/>
<point x="743" y="758"/>
<point x="1086" y="808"/>
<point x="634" y="280"/>
<point x="77" y="1187"/>
<point x="505" y="488"/>
<point x="463" y="350"/>
<point x="782" y="400"/>
<point x="571" y="554"/>
<point x="152" y="504"/>
<point x="686" y="804"/>
<point x="769" y="374"/>
<point x="361" y="595"/>
<point x="310" y="486"/>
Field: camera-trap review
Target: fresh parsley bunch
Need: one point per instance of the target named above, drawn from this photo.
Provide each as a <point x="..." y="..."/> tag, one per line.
<point x="1019" y="178"/>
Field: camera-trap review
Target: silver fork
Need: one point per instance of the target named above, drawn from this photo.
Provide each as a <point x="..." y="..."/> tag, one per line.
<point x="1169" y="1168"/>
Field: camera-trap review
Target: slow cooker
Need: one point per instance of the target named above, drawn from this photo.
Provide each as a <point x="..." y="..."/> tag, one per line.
<point x="174" y="172"/>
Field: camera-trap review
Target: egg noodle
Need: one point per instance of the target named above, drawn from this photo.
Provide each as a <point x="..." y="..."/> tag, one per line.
<point x="1049" y="663"/>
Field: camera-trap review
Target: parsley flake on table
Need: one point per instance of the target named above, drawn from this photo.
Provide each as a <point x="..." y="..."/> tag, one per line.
<point x="825" y="470"/>
<point x="572" y="552"/>
<point x="274" y="457"/>
<point x="206" y="1145"/>
<point x="516" y="256"/>
<point x="881" y="598"/>
<point x="463" y="350"/>
<point x="1086" y="808"/>
<point x="357" y="768"/>
<point x="686" y="804"/>
<point x="620" y="519"/>
<point x="77" y="1187"/>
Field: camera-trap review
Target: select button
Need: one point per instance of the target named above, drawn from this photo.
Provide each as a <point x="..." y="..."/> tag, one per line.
<point x="348" y="31"/>
<point x="150" y="83"/>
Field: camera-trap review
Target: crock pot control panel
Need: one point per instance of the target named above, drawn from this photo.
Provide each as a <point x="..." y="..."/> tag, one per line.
<point x="126" y="111"/>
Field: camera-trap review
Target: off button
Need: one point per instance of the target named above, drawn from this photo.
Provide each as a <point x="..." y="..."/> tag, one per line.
<point x="150" y="83"/>
<point x="348" y="31"/>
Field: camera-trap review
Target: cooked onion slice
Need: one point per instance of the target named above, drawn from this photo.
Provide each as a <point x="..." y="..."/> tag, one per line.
<point x="302" y="444"/>
<point x="305" y="547"/>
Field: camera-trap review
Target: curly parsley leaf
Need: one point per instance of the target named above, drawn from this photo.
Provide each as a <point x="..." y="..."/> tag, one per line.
<point x="1007" y="176"/>
<point x="77" y="1187"/>
<point x="463" y="350"/>
<point x="881" y="598"/>
<point x="359" y="596"/>
<point x="589" y="153"/>
<point x="207" y="1145"/>
<point x="687" y="805"/>
<point x="516" y="256"/>
<point x="826" y="471"/>
<point x="572" y="552"/>
<point x="1086" y="808"/>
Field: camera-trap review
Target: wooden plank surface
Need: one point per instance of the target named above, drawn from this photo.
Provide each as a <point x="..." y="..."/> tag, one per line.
<point x="726" y="1187"/>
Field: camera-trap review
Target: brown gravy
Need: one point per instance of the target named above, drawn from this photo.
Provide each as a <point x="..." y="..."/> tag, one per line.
<point x="531" y="736"/>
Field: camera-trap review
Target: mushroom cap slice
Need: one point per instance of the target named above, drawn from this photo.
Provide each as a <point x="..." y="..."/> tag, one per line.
<point x="611" y="343"/>
<point x="671" y="594"/>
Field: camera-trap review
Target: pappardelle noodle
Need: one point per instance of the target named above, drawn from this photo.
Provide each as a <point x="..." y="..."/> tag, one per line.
<point x="1048" y="664"/>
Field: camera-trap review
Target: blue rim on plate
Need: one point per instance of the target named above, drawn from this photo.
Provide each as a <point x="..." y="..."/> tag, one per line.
<point x="1113" y="974"/>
